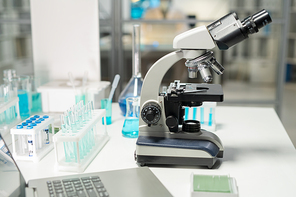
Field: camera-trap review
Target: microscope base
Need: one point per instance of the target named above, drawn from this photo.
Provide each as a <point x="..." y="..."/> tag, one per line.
<point x="165" y="151"/>
<point x="180" y="161"/>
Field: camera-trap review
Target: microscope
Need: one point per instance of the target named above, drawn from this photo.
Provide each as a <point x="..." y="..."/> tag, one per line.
<point x="164" y="136"/>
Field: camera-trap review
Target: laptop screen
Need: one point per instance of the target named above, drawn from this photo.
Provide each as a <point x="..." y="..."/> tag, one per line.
<point x="12" y="182"/>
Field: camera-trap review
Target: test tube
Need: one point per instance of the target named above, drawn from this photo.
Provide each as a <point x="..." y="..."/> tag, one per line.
<point x="30" y="143"/>
<point x="194" y="113"/>
<point x="211" y="117"/>
<point x="46" y="135"/>
<point x="39" y="135"/>
<point x="66" y="144"/>
<point x="76" y="119"/>
<point x="202" y="120"/>
<point x="73" y="122"/>
<point x="186" y="113"/>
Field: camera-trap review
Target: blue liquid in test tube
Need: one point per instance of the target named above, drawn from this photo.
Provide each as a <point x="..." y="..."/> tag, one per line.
<point x="186" y="113"/>
<point x="24" y="104"/>
<point x="194" y="113"/>
<point x="211" y="117"/>
<point x="202" y="116"/>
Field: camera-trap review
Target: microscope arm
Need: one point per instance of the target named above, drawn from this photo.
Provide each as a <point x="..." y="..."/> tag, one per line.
<point x="153" y="78"/>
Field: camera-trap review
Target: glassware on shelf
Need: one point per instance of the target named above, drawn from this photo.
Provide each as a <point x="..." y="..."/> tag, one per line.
<point x="131" y="123"/>
<point x="134" y="86"/>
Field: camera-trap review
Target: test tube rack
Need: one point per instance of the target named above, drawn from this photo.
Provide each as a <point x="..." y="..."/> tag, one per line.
<point x="29" y="140"/>
<point x="6" y="106"/>
<point x="97" y="131"/>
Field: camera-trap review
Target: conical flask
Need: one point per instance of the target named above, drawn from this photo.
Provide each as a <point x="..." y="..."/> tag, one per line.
<point x="134" y="86"/>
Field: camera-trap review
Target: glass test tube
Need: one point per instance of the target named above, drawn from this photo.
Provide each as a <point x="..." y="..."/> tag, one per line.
<point x="30" y="144"/>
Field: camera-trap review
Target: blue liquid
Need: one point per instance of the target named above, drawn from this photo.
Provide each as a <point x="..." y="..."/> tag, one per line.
<point x="36" y="102"/>
<point x="136" y="12"/>
<point x="108" y="120"/>
<point x="80" y="97"/>
<point x="194" y="113"/>
<point x="122" y="105"/>
<point x="131" y="128"/>
<point x="211" y="117"/>
<point x="186" y="113"/>
<point x="202" y="120"/>
<point x="23" y="104"/>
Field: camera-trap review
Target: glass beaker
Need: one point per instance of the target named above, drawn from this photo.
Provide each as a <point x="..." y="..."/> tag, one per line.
<point x="36" y="96"/>
<point x="21" y="83"/>
<point x="8" y="74"/>
<point x="106" y="104"/>
<point x="6" y="95"/>
<point x="134" y="86"/>
<point x="131" y="123"/>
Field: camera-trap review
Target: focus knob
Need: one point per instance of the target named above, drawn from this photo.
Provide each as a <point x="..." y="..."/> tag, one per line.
<point x="151" y="113"/>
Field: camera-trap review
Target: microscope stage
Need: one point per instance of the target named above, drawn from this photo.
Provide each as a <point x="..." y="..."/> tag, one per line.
<point x="196" y="92"/>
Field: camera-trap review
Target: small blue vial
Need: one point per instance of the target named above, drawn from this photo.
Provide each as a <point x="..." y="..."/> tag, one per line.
<point x="33" y="124"/>
<point x="29" y="127"/>
<point x="41" y="119"/>
<point x="28" y="121"/>
<point x="45" y="116"/>
<point x="25" y="124"/>
<point x="36" y="116"/>
<point x="37" y="121"/>
<point x="32" y="118"/>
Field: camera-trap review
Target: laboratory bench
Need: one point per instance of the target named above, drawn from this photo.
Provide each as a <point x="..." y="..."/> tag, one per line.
<point x="258" y="154"/>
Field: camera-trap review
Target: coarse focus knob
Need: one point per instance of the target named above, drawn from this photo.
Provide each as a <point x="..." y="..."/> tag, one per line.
<point x="151" y="113"/>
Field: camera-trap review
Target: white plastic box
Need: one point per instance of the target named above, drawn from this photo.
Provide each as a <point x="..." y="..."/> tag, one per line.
<point x="65" y="144"/>
<point x="58" y="96"/>
<point x="32" y="138"/>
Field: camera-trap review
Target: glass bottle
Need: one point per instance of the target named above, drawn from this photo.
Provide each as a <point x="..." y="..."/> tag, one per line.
<point x="134" y="86"/>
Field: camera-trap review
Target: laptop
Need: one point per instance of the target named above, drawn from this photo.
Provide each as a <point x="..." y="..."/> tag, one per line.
<point x="128" y="182"/>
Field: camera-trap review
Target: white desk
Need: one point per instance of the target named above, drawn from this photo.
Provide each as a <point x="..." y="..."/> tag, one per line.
<point x="258" y="153"/>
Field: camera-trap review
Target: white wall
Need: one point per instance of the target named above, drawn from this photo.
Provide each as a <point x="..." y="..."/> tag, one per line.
<point x="65" y="36"/>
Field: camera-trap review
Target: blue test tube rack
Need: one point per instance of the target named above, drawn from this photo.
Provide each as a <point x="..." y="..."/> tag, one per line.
<point x="93" y="128"/>
<point x="32" y="139"/>
<point x="6" y="108"/>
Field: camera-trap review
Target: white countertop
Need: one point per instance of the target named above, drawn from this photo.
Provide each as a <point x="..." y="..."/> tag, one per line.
<point x="258" y="154"/>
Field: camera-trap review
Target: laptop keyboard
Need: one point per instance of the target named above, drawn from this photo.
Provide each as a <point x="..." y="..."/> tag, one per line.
<point x="78" y="187"/>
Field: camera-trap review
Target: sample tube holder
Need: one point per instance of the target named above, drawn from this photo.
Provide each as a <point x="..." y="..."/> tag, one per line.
<point x="98" y="132"/>
<point x="6" y="106"/>
<point x="29" y="140"/>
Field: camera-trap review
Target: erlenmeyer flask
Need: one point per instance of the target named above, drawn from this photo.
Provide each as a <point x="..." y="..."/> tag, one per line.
<point x="130" y="127"/>
<point x="134" y="86"/>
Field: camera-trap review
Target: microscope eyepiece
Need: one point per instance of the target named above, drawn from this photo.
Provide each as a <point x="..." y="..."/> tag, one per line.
<point x="229" y="30"/>
<point x="253" y="23"/>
